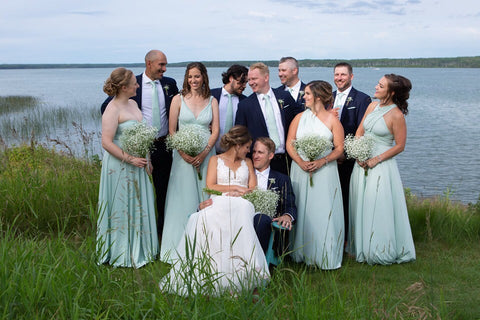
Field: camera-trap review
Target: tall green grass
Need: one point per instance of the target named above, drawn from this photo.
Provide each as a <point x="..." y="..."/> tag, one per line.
<point x="48" y="264"/>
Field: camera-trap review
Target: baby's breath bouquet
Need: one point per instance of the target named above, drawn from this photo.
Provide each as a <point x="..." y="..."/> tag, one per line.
<point x="137" y="140"/>
<point x="264" y="201"/>
<point x="191" y="139"/>
<point x="310" y="147"/>
<point x="359" y="148"/>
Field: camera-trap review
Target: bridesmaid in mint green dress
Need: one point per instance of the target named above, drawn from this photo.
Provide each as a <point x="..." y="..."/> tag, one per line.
<point x="379" y="226"/>
<point x="126" y="227"/>
<point x="318" y="235"/>
<point x="194" y="105"/>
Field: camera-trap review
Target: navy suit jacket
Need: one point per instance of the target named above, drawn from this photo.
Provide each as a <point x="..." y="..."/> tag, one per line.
<point x="353" y="110"/>
<point x="249" y="113"/>
<point x="218" y="91"/>
<point x="169" y="86"/>
<point x="300" y="100"/>
<point x="282" y="183"/>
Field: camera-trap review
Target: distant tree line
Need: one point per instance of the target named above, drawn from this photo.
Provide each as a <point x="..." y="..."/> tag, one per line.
<point x="457" y="62"/>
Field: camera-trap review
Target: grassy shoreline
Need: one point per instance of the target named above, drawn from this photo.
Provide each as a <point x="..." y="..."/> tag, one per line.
<point x="48" y="269"/>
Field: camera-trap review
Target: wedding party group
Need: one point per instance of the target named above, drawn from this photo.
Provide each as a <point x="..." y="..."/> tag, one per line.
<point x="212" y="182"/>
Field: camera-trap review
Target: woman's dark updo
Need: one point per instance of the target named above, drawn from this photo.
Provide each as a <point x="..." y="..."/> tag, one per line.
<point x="399" y="87"/>
<point x="238" y="135"/>
<point x="118" y="78"/>
<point x="323" y="90"/>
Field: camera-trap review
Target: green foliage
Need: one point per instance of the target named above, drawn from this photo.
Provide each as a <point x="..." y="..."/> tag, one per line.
<point x="43" y="192"/>
<point x="440" y="219"/>
<point x="48" y="260"/>
<point x="16" y="103"/>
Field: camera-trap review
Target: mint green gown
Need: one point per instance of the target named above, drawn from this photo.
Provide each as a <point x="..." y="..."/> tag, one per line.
<point x="379" y="227"/>
<point x="185" y="190"/>
<point x="318" y="235"/>
<point x="126" y="227"/>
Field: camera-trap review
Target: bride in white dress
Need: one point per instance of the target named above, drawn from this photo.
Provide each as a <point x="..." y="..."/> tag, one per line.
<point x="219" y="251"/>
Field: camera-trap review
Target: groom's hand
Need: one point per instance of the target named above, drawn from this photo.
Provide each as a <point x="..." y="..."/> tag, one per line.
<point x="285" y="221"/>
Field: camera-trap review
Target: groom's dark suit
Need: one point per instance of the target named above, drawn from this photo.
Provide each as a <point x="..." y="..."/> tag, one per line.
<point x="250" y="114"/>
<point x="352" y="114"/>
<point x="286" y="204"/>
<point x="160" y="157"/>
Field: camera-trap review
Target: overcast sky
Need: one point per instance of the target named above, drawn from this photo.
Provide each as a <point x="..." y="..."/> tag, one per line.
<point x="119" y="31"/>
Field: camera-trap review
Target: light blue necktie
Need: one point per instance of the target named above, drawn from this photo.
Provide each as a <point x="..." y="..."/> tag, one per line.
<point x="271" y="122"/>
<point x="155" y="107"/>
<point x="229" y="116"/>
<point x="338" y="101"/>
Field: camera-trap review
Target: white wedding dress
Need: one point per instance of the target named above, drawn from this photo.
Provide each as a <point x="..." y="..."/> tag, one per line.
<point x="219" y="250"/>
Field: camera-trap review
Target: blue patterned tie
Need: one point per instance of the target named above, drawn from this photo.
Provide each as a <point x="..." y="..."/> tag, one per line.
<point x="271" y="122"/>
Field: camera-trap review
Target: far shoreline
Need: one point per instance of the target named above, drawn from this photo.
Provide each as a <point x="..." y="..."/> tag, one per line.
<point x="446" y="62"/>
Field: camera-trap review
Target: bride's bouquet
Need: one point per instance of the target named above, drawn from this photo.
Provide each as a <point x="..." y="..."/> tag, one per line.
<point x="311" y="147"/>
<point x="264" y="201"/>
<point x="137" y="140"/>
<point x="359" y="148"/>
<point x="191" y="139"/>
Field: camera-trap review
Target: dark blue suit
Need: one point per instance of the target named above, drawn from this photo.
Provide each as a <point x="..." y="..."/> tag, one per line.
<point x="160" y="157"/>
<point x="249" y="114"/>
<point x="300" y="100"/>
<point x="286" y="204"/>
<point x="352" y="114"/>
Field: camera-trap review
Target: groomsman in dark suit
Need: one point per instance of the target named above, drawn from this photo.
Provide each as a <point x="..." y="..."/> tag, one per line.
<point x="154" y="95"/>
<point x="228" y="97"/>
<point x="267" y="178"/>
<point x="267" y="112"/>
<point x="288" y="74"/>
<point x="350" y="105"/>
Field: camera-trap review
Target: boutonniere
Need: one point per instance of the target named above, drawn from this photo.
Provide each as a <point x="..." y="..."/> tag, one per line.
<point x="281" y="102"/>
<point x="300" y="94"/>
<point x="271" y="181"/>
<point x="166" y="87"/>
<point x="349" y="99"/>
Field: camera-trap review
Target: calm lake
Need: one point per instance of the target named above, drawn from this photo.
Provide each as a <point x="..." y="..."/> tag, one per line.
<point x="442" y="151"/>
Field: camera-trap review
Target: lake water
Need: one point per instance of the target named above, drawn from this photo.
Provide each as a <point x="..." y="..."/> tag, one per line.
<point x="443" y="141"/>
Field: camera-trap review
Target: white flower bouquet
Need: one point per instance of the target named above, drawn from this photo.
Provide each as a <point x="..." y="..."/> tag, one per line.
<point x="264" y="201"/>
<point x="137" y="140"/>
<point x="191" y="139"/>
<point x="359" y="148"/>
<point x="310" y="147"/>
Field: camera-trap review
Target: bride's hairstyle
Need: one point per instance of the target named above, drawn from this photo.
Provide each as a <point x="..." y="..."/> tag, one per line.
<point x="118" y="78"/>
<point x="323" y="90"/>
<point x="203" y="71"/>
<point x="400" y="87"/>
<point x="236" y="136"/>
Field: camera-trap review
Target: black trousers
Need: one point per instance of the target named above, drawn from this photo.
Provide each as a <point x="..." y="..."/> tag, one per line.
<point x="162" y="163"/>
<point x="345" y="171"/>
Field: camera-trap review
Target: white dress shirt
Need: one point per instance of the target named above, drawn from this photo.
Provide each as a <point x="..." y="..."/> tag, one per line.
<point x="262" y="178"/>
<point x="147" y="104"/>
<point x="278" y="118"/>
<point x="295" y="90"/>
<point x="341" y="102"/>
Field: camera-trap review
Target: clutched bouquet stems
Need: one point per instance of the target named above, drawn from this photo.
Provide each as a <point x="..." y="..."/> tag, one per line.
<point x="359" y="148"/>
<point x="190" y="139"/>
<point x="311" y="147"/>
<point x="264" y="201"/>
<point x="138" y="139"/>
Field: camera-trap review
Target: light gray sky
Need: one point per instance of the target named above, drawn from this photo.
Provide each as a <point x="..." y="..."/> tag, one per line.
<point x="120" y="31"/>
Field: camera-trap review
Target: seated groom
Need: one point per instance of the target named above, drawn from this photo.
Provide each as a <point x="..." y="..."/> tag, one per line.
<point x="263" y="153"/>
